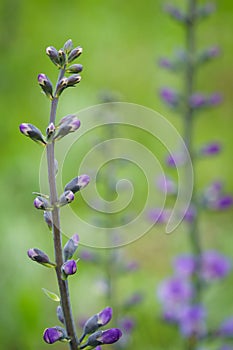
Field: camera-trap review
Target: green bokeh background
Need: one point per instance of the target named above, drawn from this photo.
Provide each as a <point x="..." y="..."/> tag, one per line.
<point x="122" y="40"/>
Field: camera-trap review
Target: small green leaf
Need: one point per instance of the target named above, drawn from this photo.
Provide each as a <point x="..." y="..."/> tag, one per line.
<point x="51" y="295"/>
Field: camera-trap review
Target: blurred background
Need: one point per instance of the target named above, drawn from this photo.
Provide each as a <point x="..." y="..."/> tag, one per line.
<point x="122" y="42"/>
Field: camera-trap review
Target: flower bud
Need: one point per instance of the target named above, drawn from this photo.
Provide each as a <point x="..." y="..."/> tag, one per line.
<point x="71" y="125"/>
<point x="31" y="131"/>
<point x="48" y="219"/>
<point x="70" y="247"/>
<point x="60" y="314"/>
<point x="53" y="55"/>
<point x="68" y="268"/>
<point x="76" y="52"/>
<point x="78" y="183"/>
<point x="40" y="257"/>
<point x="73" y="80"/>
<point x="75" y="68"/>
<point x="68" y="46"/>
<point x="170" y="97"/>
<point x="42" y="203"/>
<point x="51" y="335"/>
<point x="50" y="131"/>
<point x="62" y="57"/>
<point x="66" y="198"/>
<point x="45" y="85"/>
<point x="61" y="86"/>
<point x="97" y="321"/>
<point x="108" y="336"/>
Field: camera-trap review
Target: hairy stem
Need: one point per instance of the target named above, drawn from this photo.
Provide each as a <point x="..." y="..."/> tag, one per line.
<point x="58" y="251"/>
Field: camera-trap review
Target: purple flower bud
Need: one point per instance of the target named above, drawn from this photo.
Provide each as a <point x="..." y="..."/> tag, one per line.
<point x="192" y="321"/>
<point x="215" y="99"/>
<point x="97" y="321"/>
<point x="197" y="100"/>
<point x="61" y="86"/>
<point x="104" y="316"/>
<point x="170" y="97"/>
<point x="62" y="57"/>
<point x="166" y="185"/>
<point x="42" y="203"/>
<point x="127" y="324"/>
<point x="75" y="68"/>
<point x="73" y="80"/>
<point x="32" y="132"/>
<point x="175" y="290"/>
<point x="226" y="328"/>
<point x="45" y="85"/>
<point x="185" y="265"/>
<point x="70" y="247"/>
<point x="48" y="219"/>
<point x="66" y="198"/>
<point x="223" y="203"/>
<point x="60" y="314"/>
<point x="165" y="63"/>
<point x="214" y="266"/>
<point x="40" y="257"/>
<point x="53" y="55"/>
<point x="51" y="335"/>
<point x="50" y="131"/>
<point x="68" y="46"/>
<point x="69" y="268"/>
<point x="78" y="183"/>
<point x="210" y="149"/>
<point x="71" y="124"/>
<point x="108" y="336"/>
<point x="74" y="54"/>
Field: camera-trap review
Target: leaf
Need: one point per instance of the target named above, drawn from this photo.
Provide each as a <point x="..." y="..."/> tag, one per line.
<point x="51" y="295"/>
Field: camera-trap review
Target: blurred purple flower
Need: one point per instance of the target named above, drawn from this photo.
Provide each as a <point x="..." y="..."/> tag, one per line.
<point x="226" y="328"/>
<point x="166" y="185"/>
<point x="215" y="99"/>
<point x="165" y="63"/>
<point x="174" y="12"/>
<point x="127" y="324"/>
<point x="192" y="321"/>
<point x="210" y="149"/>
<point x="169" y="96"/>
<point x="132" y="266"/>
<point x="175" y="159"/>
<point x="197" y="100"/>
<point x="134" y="299"/>
<point x="190" y="214"/>
<point x="223" y="203"/>
<point x="184" y="265"/>
<point x="213" y="51"/>
<point x="159" y="216"/>
<point x="214" y="266"/>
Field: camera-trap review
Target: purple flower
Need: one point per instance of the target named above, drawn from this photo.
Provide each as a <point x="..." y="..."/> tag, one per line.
<point x="42" y="203"/>
<point x="197" y="100"/>
<point x="67" y="125"/>
<point x="185" y="265"/>
<point x="192" y="321"/>
<point x="104" y="316"/>
<point x="51" y="335"/>
<point x="158" y="215"/>
<point x="96" y="321"/>
<point x="214" y="266"/>
<point x="223" y="203"/>
<point x="166" y="185"/>
<point x="110" y="336"/>
<point x="32" y="132"/>
<point x="210" y="149"/>
<point x="70" y="247"/>
<point x="169" y="96"/>
<point x="175" y="159"/>
<point x="69" y="268"/>
<point x="215" y="99"/>
<point x="226" y="328"/>
<point x="40" y="257"/>
<point x="174" y="293"/>
<point x="78" y="183"/>
<point x="127" y="324"/>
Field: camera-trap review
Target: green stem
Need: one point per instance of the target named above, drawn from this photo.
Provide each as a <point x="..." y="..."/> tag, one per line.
<point x="57" y="238"/>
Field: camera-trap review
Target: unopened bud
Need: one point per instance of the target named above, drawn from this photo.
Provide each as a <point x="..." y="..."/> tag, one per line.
<point x="69" y="268"/>
<point x="48" y="219"/>
<point x="40" y="257"/>
<point x="78" y="183"/>
<point x="51" y="335"/>
<point x="108" y="336"/>
<point x="45" y="85"/>
<point x="32" y="132"/>
<point x="66" y="128"/>
<point x="66" y="198"/>
<point x="70" y="247"/>
<point x="53" y="55"/>
<point x="60" y="314"/>
<point x="76" y="52"/>
<point x="42" y="203"/>
<point x="62" y="57"/>
<point x="75" y="68"/>
<point x="68" y="46"/>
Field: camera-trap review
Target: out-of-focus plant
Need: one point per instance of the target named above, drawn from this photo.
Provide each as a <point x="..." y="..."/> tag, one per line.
<point x="65" y="264"/>
<point x="182" y="295"/>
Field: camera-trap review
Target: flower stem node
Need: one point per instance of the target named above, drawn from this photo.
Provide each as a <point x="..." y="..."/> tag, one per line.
<point x="69" y="125"/>
<point x="53" y="55"/>
<point x="51" y="335"/>
<point x="68" y="268"/>
<point x="108" y="336"/>
<point x="70" y="247"/>
<point x="42" y="203"/>
<point x="75" y="53"/>
<point x="40" y="257"/>
<point x="66" y="198"/>
<point x="78" y="183"/>
<point x="32" y="132"/>
<point x="45" y="85"/>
